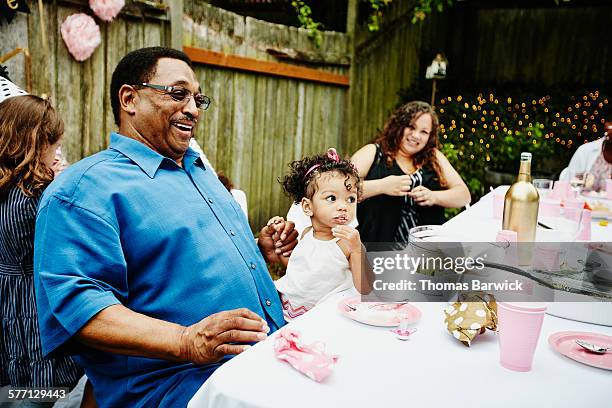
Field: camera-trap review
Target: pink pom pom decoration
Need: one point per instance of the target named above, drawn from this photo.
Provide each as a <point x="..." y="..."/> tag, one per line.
<point x="106" y="10"/>
<point x="81" y="35"/>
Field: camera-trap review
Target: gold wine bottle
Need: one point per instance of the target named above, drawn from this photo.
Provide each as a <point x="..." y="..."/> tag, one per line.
<point x="521" y="204"/>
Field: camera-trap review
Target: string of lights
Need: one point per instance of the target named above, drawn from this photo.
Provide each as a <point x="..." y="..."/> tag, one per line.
<point x="485" y="119"/>
<point x="489" y="130"/>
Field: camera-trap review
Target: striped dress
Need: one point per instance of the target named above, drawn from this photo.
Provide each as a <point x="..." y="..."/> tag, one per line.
<point x="21" y="360"/>
<point x="385" y="218"/>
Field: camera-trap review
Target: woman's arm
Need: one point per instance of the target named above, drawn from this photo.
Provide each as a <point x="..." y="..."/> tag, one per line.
<point x="390" y="185"/>
<point x="456" y="194"/>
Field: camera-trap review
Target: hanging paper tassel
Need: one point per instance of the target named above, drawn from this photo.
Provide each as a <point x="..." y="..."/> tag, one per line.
<point x="106" y="10"/>
<point x="81" y="35"/>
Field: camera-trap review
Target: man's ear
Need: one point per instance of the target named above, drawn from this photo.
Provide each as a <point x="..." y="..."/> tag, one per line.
<point x="307" y="206"/>
<point x="128" y="98"/>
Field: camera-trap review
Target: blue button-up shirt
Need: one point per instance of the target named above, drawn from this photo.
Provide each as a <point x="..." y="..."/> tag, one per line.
<point x="130" y="226"/>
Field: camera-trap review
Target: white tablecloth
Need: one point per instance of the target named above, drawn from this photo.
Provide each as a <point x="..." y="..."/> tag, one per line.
<point x="478" y="224"/>
<point x="432" y="369"/>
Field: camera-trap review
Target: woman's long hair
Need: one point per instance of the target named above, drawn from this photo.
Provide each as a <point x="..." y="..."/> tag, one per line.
<point x="392" y="134"/>
<point x="28" y="126"/>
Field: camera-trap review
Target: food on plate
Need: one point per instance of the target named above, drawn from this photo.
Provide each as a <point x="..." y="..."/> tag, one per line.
<point x="599" y="206"/>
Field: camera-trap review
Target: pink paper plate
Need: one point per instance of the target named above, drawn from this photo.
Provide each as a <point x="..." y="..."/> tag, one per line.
<point x="565" y="343"/>
<point x="378" y="313"/>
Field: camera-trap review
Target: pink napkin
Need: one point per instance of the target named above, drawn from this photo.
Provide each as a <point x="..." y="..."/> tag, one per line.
<point x="309" y="359"/>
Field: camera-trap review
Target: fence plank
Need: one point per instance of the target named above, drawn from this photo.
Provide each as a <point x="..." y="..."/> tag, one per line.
<point x="220" y="59"/>
<point x="115" y="50"/>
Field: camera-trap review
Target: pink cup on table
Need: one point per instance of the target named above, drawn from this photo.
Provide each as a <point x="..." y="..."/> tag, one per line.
<point x="572" y="213"/>
<point x="519" y="329"/>
<point x="585" y="226"/>
<point x="560" y="189"/>
<point x="609" y="189"/>
<point x="549" y="208"/>
<point x="498" y="204"/>
<point x="507" y="236"/>
<point x="573" y="203"/>
<point x="510" y="239"/>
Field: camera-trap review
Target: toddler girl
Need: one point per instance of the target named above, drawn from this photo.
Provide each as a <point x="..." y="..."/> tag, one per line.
<point x="328" y="256"/>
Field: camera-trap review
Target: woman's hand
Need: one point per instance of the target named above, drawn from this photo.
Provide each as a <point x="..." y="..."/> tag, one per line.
<point x="350" y="236"/>
<point x="423" y="196"/>
<point x="397" y="185"/>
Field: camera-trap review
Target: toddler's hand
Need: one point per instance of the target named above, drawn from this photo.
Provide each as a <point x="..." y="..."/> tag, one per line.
<point x="350" y="235"/>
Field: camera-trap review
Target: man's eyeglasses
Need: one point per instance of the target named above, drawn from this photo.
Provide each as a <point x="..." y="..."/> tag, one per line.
<point x="179" y="94"/>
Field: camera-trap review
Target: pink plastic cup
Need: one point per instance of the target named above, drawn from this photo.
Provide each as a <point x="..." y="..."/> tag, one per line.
<point x="498" y="204"/>
<point x="585" y="226"/>
<point x="561" y="190"/>
<point x="609" y="189"/>
<point x="549" y="208"/>
<point x="519" y="329"/>
<point x="572" y="203"/>
<point x="572" y="213"/>
<point x="511" y="251"/>
<point x="506" y="236"/>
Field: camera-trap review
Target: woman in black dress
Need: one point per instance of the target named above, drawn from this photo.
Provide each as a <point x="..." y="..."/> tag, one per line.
<point x="407" y="180"/>
<point x="30" y="133"/>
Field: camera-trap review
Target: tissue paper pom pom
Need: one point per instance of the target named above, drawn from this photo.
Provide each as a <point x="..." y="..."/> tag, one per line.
<point x="81" y="35"/>
<point x="107" y="10"/>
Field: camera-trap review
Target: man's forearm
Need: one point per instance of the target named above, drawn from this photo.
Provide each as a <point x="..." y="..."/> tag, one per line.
<point x="120" y="330"/>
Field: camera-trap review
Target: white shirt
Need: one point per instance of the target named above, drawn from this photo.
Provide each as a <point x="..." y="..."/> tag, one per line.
<point x="195" y="146"/>
<point x="583" y="159"/>
<point x="316" y="270"/>
<point x="239" y="195"/>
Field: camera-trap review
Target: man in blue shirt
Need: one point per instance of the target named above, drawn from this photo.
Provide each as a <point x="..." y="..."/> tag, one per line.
<point x="145" y="266"/>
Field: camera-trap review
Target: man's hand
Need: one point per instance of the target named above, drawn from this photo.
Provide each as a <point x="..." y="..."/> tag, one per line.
<point x="276" y="239"/>
<point x="213" y="337"/>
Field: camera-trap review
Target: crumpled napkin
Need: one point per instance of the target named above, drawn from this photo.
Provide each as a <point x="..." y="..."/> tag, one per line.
<point x="471" y="316"/>
<point x="309" y="359"/>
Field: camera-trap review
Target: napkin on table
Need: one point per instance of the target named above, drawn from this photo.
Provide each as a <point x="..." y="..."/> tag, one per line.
<point x="470" y="316"/>
<point x="309" y="359"/>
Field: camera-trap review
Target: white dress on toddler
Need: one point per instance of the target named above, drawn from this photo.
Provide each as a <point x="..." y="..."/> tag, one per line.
<point x="316" y="270"/>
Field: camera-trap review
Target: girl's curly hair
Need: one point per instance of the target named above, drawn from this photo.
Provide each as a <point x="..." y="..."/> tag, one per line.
<point x="391" y="136"/>
<point x="300" y="182"/>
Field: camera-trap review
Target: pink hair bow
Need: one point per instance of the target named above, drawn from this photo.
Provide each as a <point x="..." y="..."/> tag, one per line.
<point x="332" y="154"/>
<point x="309" y="359"/>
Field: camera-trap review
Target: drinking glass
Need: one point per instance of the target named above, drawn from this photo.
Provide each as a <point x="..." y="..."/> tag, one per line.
<point x="577" y="181"/>
<point x="544" y="186"/>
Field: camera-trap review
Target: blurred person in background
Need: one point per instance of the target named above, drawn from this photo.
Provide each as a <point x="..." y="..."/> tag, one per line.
<point x="30" y="134"/>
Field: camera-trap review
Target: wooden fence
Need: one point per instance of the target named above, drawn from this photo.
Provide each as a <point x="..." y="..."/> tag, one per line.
<point x="277" y="97"/>
<point x="79" y="90"/>
<point x="262" y="116"/>
<point x="259" y="122"/>
<point x="538" y="48"/>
